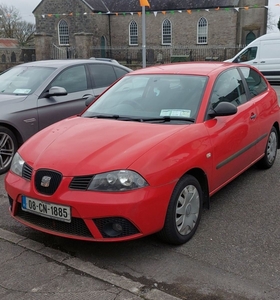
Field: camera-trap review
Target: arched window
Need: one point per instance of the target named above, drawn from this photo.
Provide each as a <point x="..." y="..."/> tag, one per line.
<point x="250" y="37"/>
<point x="103" y="46"/>
<point x="202" y="31"/>
<point x="63" y="33"/>
<point x="13" y="57"/>
<point x="133" y="33"/>
<point x="166" y="32"/>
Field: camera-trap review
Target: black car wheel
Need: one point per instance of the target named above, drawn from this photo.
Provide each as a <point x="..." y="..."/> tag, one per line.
<point x="8" y="148"/>
<point x="184" y="212"/>
<point x="270" y="151"/>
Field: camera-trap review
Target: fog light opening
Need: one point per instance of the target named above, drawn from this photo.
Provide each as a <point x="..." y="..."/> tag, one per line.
<point x="113" y="229"/>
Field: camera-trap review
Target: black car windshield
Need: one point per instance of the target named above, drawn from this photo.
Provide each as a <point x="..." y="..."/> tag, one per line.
<point x="23" y="80"/>
<point x="151" y="97"/>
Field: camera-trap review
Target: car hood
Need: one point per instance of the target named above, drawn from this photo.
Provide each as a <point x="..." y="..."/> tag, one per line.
<point x="8" y="97"/>
<point x="80" y="146"/>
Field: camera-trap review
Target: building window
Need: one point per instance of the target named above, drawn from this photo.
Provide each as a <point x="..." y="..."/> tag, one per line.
<point x="250" y="37"/>
<point x="63" y="33"/>
<point x="133" y="33"/>
<point x="166" y="32"/>
<point x="202" y="31"/>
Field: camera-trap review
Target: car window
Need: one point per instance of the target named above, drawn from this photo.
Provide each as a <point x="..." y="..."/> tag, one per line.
<point x="73" y="79"/>
<point x="23" y="80"/>
<point x="228" y="88"/>
<point x="120" y="72"/>
<point x="255" y="81"/>
<point x="247" y="55"/>
<point x="152" y="96"/>
<point x="103" y="75"/>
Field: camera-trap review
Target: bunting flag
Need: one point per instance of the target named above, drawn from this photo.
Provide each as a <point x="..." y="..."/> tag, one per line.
<point x="144" y="3"/>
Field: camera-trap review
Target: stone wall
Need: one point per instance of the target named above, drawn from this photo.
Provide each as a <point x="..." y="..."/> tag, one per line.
<point x="184" y="28"/>
<point x="15" y="56"/>
<point x="225" y="27"/>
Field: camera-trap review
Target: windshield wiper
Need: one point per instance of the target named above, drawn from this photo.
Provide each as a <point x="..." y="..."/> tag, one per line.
<point x="117" y="117"/>
<point x="164" y="119"/>
<point x="168" y="119"/>
<point x="105" y="116"/>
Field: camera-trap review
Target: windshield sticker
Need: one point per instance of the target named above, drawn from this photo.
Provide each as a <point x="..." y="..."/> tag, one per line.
<point x="22" y="91"/>
<point x="175" y="113"/>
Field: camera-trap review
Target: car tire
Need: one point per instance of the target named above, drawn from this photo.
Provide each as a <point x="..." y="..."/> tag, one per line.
<point x="270" y="150"/>
<point x="8" y="148"/>
<point x="184" y="212"/>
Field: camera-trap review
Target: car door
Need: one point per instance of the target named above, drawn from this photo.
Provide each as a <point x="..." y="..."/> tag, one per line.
<point x="233" y="137"/>
<point x="259" y="95"/>
<point x="269" y="59"/>
<point x="74" y="80"/>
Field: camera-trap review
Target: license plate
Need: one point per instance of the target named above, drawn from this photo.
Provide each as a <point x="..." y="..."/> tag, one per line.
<point x="46" y="209"/>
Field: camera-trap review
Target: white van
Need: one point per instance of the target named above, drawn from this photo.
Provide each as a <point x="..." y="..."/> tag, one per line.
<point x="264" y="54"/>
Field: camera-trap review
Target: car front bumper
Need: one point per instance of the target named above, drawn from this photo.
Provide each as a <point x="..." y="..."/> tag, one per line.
<point x="95" y="216"/>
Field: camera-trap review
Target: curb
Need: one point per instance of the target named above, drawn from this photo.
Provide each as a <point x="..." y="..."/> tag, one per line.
<point x="122" y="282"/>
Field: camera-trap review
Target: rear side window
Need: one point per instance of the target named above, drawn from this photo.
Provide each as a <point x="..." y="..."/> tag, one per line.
<point x="255" y="81"/>
<point x="120" y="72"/>
<point x="102" y="75"/>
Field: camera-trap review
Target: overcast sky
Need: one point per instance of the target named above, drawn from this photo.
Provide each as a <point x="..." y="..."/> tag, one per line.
<point x="26" y="7"/>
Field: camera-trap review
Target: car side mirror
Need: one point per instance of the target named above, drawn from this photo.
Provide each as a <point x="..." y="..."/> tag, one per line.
<point x="56" y="91"/>
<point x="223" y="109"/>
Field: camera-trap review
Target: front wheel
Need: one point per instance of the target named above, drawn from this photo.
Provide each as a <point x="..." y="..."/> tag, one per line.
<point x="184" y="212"/>
<point x="8" y="148"/>
<point x="270" y="151"/>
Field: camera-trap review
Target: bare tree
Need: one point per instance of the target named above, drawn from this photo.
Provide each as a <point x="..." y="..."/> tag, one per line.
<point x="24" y="33"/>
<point x="12" y="26"/>
<point x="270" y="20"/>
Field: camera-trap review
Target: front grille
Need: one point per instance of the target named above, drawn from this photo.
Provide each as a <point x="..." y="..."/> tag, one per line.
<point x="76" y="227"/>
<point x="104" y="223"/>
<point x="80" y="183"/>
<point x="27" y="171"/>
<point x="47" y="181"/>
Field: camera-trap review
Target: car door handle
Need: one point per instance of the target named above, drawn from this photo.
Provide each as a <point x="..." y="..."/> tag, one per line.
<point x="87" y="96"/>
<point x="263" y="62"/>
<point x="253" y="116"/>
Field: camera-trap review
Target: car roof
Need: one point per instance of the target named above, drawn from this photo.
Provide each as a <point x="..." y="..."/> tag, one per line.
<point x="186" y="68"/>
<point x="57" y="63"/>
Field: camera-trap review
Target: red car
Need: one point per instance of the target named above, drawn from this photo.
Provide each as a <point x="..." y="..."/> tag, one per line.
<point x="147" y="155"/>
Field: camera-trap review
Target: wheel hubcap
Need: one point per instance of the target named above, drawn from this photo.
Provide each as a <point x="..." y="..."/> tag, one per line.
<point x="6" y="150"/>
<point x="187" y="209"/>
<point x="271" y="147"/>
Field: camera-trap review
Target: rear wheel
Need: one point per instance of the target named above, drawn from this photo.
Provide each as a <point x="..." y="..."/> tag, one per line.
<point x="8" y="148"/>
<point x="270" y="151"/>
<point x="184" y="212"/>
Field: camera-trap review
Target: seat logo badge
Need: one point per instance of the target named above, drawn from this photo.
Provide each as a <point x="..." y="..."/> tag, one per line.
<point x="46" y="180"/>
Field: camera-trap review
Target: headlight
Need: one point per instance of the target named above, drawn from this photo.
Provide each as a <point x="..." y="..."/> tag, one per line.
<point x="17" y="164"/>
<point x="121" y="180"/>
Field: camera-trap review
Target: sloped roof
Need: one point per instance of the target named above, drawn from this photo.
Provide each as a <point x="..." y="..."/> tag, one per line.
<point x="159" y="5"/>
<point x="155" y="5"/>
<point x="8" y="43"/>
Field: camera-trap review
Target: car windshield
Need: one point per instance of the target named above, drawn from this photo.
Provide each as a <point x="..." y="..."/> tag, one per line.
<point x="151" y="98"/>
<point x="23" y="80"/>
